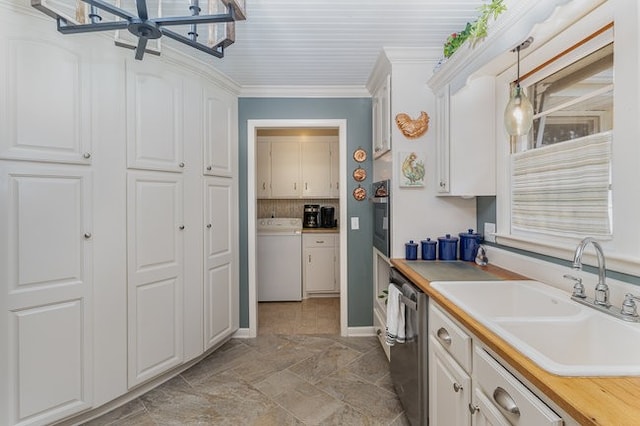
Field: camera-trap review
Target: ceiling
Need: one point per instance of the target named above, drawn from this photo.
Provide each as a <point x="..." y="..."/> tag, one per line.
<point x="332" y="42"/>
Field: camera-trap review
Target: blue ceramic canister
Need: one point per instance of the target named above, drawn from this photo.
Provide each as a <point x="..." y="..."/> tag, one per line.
<point x="428" y="248"/>
<point x="469" y="243"/>
<point x="447" y="247"/>
<point x="411" y="250"/>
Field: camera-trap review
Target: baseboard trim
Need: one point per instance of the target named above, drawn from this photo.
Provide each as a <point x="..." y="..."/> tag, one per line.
<point x="361" y="331"/>
<point x="242" y="333"/>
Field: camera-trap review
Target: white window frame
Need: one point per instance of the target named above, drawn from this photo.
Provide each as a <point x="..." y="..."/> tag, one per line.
<point x="623" y="250"/>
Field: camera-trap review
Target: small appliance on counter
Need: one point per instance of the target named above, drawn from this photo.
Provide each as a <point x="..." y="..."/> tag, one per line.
<point x="311" y="216"/>
<point x="469" y="243"/>
<point x="328" y="217"/>
<point x="447" y="247"/>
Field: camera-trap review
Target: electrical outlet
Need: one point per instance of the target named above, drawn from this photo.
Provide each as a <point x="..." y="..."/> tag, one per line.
<point x="490" y="232"/>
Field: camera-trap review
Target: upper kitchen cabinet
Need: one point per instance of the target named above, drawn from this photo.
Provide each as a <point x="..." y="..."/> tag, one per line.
<point x="297" y="167"/>
<point x="285" y="169"/>
<point x="30" y="129"/>
<point x="465" y="123"/>
<point x="154" y="114"/>
<point x="465" y="132"/>
<point x="219" y="129"/>
<point x="379" y="85"/>
<point x="381" y="117"/>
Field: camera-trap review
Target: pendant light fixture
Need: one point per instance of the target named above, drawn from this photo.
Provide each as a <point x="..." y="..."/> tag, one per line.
<point x="518" y="115"/>
<point x="89" y="16"/>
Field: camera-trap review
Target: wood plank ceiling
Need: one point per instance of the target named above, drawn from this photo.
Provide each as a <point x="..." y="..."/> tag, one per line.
<point x="332" y="42"/>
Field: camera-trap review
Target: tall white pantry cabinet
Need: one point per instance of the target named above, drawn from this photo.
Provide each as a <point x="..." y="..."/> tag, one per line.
<point x="118" y="218"/>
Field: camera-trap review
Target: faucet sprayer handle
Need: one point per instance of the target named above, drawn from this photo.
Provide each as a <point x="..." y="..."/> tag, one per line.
<point x="629" y="307"/>
<point x="578" y="287"/>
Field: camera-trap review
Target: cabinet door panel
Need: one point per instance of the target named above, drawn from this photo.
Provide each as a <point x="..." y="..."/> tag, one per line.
<point x="447" y="406"/>
<point x="319" y="269"/>
<point x="154" y="253"/>
<point x="154" y="118"/>
<point x="218" y="125"/>
<point x="45" y="261"/>
<point x="30" y="128"/>
<point x="263" y="167"/>
<point x="315" y="167"/>
<point x="285" y="161"/>
<point x="220" y="286"/>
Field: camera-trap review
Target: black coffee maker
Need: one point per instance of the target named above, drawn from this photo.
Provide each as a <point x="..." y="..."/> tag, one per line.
<point x="311" y="213"/>
<point x="327" y="217"/>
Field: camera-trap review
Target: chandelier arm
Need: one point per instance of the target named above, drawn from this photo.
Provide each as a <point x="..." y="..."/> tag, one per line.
<point x="143" y="13"/>
<point x="197" y="19"/>
<point x="140" y="49"/>
<point x="65" y="28"/>
<point x="111" y="9"/>
<point x="217" y="52"/>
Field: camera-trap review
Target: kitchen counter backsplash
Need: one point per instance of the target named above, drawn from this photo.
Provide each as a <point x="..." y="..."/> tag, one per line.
<point x="292" y="208"/>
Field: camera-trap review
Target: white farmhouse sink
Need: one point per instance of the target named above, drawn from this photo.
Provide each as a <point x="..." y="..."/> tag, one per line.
<point x="542" y="322"/>
<point x="508" y="298"/>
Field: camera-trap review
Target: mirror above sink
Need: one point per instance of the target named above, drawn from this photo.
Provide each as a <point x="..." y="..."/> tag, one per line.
<point x="543" y="323"/>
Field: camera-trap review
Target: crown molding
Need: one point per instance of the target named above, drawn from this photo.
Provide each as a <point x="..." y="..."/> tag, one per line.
<point x="304" y="92"/>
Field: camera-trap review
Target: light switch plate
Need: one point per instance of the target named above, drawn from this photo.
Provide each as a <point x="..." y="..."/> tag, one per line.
<point x="355" y="223"/>
<point x="490" y="232"/>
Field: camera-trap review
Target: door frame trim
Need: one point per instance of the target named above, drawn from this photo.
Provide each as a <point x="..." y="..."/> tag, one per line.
<point x="252" y="126"/>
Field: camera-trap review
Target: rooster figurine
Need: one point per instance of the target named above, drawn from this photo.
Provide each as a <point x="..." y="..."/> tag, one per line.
<point x="412" y="128"/>
<point x="413" y="170"/>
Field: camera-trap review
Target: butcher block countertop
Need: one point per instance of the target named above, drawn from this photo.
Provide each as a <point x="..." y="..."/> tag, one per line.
<point x="589" y="400"/>
<point x="320" y="230"/>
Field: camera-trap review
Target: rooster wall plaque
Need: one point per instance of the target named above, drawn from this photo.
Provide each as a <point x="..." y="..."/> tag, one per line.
<point x="412" y="128"/>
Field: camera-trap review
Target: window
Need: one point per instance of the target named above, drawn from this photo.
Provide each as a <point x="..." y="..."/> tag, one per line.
<point x="561" y="178"/>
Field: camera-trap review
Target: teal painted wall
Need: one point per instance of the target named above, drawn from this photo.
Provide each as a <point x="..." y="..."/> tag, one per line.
<point x="357" y="112"/>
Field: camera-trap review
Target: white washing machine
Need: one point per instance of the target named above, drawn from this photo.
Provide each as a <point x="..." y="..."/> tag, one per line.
<point x="279" y="263"/>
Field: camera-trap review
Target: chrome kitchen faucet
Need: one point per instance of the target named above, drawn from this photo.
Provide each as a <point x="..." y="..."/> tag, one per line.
<point x="601" y="299"/>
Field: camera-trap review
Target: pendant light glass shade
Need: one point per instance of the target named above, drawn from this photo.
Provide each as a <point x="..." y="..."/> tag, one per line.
<point x="518" y="115"/>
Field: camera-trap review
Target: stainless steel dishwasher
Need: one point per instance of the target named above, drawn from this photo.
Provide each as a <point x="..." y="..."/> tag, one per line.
<point x="409" y="360"/>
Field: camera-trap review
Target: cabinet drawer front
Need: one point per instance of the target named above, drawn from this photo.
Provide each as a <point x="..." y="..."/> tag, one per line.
<point x="452" y="338"/>
<point x="318" y="240"/>
<point x="504" y="390"/>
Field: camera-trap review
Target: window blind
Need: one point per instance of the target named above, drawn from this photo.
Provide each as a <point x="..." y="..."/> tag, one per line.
<point x="564" y="189"/>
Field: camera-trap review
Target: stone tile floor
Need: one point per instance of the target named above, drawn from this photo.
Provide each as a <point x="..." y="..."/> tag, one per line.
<point x="275" y="379"/>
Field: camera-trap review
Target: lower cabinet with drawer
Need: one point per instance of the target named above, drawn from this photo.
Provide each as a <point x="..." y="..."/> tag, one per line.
<point x="468" y="386"/>
<point x="320" y="263"/>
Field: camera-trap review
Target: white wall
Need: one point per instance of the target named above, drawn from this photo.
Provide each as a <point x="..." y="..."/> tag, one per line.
<point x="417" y="213"/>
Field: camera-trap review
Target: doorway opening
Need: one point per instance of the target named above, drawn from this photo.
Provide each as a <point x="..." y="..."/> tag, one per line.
<point x="266" y="201"/>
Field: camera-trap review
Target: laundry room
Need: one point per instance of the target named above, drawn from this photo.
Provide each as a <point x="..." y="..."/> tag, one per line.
<point x="297" y="209"/>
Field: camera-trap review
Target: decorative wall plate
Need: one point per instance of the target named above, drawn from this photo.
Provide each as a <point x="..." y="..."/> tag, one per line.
<point x="359" y="174"/>
<point x="359" y="193"/>
<point x="412" y="128"/>
<point x="359" y="155"/>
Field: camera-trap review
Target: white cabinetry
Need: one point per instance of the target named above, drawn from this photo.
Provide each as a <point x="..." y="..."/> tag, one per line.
<point x="33" y="129"/>
<point x="449" y="372"/>
<point x="154" y="117"/>
<point x="46" y="271"/>
<point x="221" y="263"/>
<point x="263" y="172"/>
<point x="335" y="169"/>
<point x="315" y="169"/>
<point x="288" y="167"/>
<point x="320" y="254"/>
<point x="469" y="386"/>
<point x="381" y="110"/>
<point x="218" y="110"/>
<point x="465" y="132"/>
<point x="155" y="273"/>
<point x="285" y="169"/>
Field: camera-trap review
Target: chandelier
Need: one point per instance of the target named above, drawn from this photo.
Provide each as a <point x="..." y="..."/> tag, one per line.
<point x="139" y="25"/>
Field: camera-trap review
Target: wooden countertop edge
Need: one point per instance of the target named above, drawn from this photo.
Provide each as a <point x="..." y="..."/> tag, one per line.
<point x="589" y="400"/>
<point x="320" y="230"/>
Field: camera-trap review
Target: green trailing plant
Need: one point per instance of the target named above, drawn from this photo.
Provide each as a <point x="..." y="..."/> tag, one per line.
<point x="477" y="30"/>
<point x="384" y="295"/>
